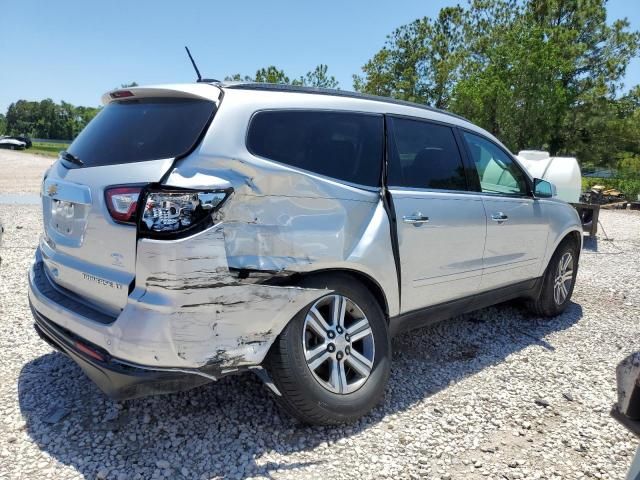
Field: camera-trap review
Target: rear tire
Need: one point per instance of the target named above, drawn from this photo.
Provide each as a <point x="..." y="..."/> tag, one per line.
<point x="337" y="377"/>
<point x="558" y="281"/>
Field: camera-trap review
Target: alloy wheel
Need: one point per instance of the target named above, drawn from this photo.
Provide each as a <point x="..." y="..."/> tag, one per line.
<point x="338" y="344"/>
<point x="563" y="279"/>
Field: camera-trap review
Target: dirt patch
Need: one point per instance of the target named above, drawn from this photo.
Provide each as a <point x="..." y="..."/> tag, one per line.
<point x="21" y="172"/>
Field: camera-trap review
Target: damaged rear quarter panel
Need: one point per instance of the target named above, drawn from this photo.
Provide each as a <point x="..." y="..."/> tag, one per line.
<point x="205" y="314"/>
<point x="278" y="221"/>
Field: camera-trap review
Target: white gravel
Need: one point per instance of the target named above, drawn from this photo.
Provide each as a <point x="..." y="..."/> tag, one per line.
<point x="465" y="400"/>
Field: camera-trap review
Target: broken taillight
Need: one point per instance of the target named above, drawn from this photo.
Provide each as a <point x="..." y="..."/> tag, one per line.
<point x="165" y="212"/>
<point x="122" y="203"/>
<point x="173" y="212"/>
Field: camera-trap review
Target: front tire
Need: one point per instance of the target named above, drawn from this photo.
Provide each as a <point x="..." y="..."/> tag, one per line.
<point x="331" y="363"/>
<point x="558" y="281"/>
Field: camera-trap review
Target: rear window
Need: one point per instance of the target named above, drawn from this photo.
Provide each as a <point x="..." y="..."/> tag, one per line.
<point x="425" y="156"/>
<point x="343" y="145"/>
<point x="138" y="130"/>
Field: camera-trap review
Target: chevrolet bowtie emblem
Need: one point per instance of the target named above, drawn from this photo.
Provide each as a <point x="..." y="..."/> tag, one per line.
<point x="52" y="190"/>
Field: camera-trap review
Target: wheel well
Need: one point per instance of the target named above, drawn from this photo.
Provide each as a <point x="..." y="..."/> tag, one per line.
<point x="573" y="237"/>
<point x="366" y="280"/>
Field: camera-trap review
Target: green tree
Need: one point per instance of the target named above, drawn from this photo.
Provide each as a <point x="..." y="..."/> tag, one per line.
<point x="315" y="78"/>
<point x="21" y="117"/>
<point x="47" y="119"/>
<point x="544" y="77"/>
<point x="419" y="62"/>
<point x="271" y="74"/>
<point x="318" y="78"/>
<point x="236" y="77"/>
<point x="536" y="73"/>
<point x="3" y="124"/>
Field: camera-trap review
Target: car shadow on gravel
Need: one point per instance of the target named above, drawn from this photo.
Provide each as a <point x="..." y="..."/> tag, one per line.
<point x="233" y="428"/>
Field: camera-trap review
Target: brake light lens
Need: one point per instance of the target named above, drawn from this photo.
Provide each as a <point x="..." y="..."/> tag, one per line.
<point x="122" y="203"/>
<point x="121" y="94"/>
<point x="170" y="212"/>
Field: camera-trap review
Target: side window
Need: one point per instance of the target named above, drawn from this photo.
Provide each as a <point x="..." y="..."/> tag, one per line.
<point x="425" y="155"/>
<point x="343" y="145"/>
<point x="496" y="170"/>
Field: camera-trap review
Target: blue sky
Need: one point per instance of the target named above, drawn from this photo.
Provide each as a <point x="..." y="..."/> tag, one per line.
<point x="76" y="50"/>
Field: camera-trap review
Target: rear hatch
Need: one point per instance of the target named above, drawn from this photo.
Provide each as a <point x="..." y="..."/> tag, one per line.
<point x="132" y="141"/>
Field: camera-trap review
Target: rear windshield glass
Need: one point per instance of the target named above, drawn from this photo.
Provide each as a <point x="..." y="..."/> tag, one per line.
<point x="343" y="145"/>
<point x="138" y="130"/>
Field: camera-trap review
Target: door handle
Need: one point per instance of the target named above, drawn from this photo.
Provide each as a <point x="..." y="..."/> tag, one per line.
<point x="499" y="217"/>
<point x="416" y="219"/>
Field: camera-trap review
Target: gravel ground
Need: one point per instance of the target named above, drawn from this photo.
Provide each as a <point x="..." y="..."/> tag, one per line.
<point x="466" y="398"/>
<point x="21" y="171"/>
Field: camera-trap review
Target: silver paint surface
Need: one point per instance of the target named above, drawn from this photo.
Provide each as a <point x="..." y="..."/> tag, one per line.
<point x="190" y="306"/>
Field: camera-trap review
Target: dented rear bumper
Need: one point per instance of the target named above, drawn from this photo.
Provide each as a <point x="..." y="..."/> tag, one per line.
<point x="187" y="310"/>
<point x="120" y="380"/>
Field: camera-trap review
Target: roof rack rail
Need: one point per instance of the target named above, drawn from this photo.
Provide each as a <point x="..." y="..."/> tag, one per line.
<point x="331" y="92"/>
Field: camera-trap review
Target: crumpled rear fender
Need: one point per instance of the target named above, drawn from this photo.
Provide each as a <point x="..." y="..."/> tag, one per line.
<point x="215" y="290"/>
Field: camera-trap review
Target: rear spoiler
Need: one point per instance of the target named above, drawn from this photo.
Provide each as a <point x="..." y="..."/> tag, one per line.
<point x="203" y="91"/>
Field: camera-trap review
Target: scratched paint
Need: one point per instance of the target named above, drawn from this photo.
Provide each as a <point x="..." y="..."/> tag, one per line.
<point x="207" y="312"/>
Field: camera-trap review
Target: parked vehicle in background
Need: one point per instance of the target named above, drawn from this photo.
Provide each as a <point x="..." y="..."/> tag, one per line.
<point x="195" y="231"/>
<point x="21" y="138"/>
<point x="12" y="143"/>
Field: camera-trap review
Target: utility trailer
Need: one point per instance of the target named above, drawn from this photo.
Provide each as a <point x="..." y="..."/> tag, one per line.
<point x="589" y="214"/>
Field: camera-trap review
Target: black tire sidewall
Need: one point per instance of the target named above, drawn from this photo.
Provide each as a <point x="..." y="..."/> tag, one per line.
<point x="547" y="293"/>
<point x="341" y="406"/>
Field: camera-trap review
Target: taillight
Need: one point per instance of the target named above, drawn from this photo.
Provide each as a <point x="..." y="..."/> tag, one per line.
<point x="175" y="212"/>
<point x="122" y="203"/>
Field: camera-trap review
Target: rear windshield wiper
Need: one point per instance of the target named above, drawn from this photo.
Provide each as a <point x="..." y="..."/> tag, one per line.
<point x="70" y="157"/>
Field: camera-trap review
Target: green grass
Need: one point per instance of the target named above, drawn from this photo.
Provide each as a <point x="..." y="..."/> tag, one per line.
<point x="48" y="149"/>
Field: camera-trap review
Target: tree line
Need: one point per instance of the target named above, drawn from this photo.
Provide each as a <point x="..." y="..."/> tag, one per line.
<point x="543" y="74"/>
<point x="45" y="119"/>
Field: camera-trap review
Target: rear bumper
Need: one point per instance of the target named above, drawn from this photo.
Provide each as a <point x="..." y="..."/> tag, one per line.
<point x="119" y="380"/>
<point x="188" y="314"/>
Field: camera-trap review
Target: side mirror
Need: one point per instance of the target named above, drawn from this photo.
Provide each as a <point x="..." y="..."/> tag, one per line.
<point x="543" y="189"/>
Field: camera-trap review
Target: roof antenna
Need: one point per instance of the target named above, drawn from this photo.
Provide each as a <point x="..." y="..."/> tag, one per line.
<point x="195" y="67"/>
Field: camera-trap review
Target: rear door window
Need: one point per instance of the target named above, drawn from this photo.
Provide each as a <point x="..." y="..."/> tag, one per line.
<point x="137" y="130"/>
<point x="425" y="155"/>
<point x="343" y="145"/>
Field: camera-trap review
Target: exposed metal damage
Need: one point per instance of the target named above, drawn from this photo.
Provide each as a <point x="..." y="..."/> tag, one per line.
<point x="204" y="284"/>
<point x="205" y="303"/>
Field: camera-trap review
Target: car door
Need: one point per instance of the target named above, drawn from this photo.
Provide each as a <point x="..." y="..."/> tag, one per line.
<point x="517" y="226"/>
<point x="440" y="225"/>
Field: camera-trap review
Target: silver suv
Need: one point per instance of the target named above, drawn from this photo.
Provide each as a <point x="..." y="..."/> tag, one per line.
<point x="195" y="231"/>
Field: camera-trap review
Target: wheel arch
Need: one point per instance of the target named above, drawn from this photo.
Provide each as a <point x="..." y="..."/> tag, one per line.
<point x="570" y="235"/>
<point x="369" y="282"/>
